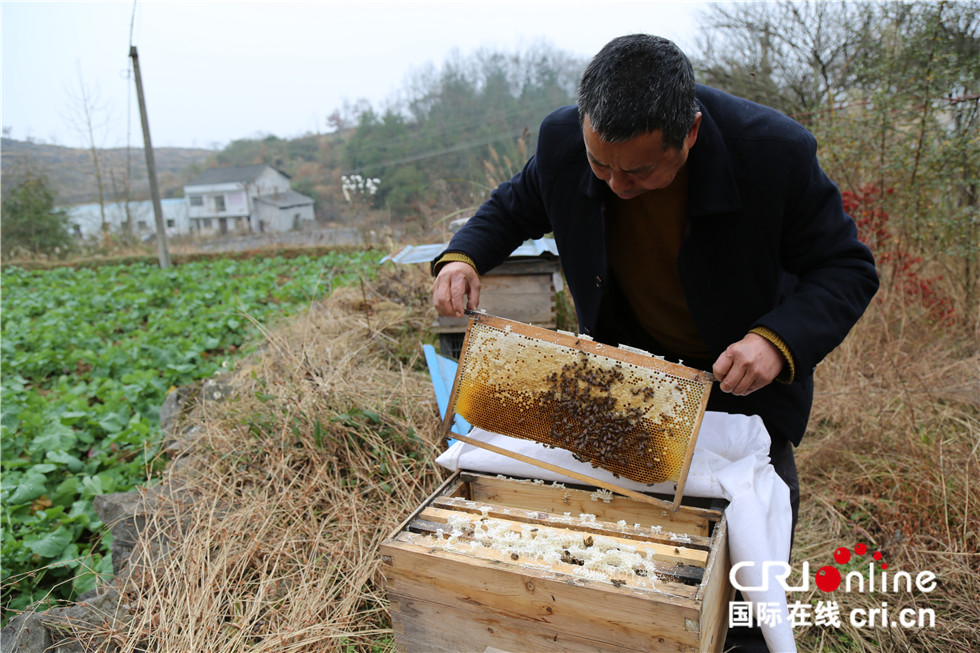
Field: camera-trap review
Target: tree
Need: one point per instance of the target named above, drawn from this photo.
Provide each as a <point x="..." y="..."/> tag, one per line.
<point x="789" y="55"/>
<point x="30" y="220"/>
<point x="85" y="111"/>
<point x="431" y="148"/>
<point x="892" y="92"/>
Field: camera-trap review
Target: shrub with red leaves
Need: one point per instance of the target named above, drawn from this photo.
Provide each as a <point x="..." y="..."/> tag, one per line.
<point x="895" y="262"/>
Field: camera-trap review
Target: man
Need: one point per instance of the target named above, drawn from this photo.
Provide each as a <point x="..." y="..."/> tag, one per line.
<point x="690" y="223"/>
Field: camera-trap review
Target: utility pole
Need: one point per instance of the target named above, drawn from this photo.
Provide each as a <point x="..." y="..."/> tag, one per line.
<point x="151" y="166"/>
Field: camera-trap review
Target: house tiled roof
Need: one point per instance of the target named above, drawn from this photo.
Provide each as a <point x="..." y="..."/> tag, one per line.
<point x="285" y="199"/>
<point x="231" y="174"/>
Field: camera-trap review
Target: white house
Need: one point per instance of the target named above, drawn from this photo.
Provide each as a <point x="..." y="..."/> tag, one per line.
<point x="245" y="199"/>
<point x="86" y="219"/>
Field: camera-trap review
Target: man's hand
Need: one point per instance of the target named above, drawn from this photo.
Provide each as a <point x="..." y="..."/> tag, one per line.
<point x="748" y="365"/>
<point x="455" y="281"/>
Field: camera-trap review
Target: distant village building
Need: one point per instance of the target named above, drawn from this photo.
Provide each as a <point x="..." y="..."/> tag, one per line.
<point x="86" y="219"/>
<point x="245" y="199"/>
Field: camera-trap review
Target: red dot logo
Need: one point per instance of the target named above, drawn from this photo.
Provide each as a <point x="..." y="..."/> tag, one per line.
<point x="828" y="578"/>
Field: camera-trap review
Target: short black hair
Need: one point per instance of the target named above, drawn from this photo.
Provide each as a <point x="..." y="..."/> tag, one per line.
<point x="638" y="84"/>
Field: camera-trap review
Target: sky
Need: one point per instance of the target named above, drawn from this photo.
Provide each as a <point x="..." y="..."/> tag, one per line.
<point x="215" y="71"/>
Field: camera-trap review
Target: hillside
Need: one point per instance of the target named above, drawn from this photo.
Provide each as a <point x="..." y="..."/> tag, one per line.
<point x="72" y="174"/>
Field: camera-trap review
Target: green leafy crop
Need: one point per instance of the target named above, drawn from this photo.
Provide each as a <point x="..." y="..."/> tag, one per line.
<point x="88" y="357"/>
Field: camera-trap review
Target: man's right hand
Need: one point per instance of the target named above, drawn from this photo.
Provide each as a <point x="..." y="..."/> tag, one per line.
<point x="457" y="287"/>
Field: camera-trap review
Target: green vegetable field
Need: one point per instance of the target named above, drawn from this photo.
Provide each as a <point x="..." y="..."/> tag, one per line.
<point x="88" y="357"/>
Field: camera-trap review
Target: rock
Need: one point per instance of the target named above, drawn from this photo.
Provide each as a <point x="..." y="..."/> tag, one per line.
<point x="178" y="437"/>
<point x="75" y="628"/>
<point x="25" y="634"/>
<point x="176" y="407"/>
<point x="63" y="630"/>
<point x="177" y="404"/>
<point x="123" y="513"/>
<point x="215" y="389"/>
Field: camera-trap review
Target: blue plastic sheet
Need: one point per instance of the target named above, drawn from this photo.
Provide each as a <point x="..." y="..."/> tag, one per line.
<point x="442" y="370"/>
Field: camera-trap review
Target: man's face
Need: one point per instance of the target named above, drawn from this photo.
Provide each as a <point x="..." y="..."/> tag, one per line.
<point x="639" y="164"/>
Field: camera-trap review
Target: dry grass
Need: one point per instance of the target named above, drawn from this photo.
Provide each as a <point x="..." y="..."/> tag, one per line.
<point x="327" y="443"/>
<point x="271" y="541"/>
<point x="892" y="461"/>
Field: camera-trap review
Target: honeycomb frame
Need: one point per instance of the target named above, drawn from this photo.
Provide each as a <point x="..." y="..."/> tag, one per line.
<point x="627" y="412"/>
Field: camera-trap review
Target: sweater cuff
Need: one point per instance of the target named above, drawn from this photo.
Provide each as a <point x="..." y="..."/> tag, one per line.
<point x="449" y="258"/>
<point x="789" y="369"/>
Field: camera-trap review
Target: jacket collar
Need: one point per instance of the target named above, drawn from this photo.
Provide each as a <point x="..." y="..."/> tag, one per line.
<point x="592" y="187"/>
<point x="712" y="187"/>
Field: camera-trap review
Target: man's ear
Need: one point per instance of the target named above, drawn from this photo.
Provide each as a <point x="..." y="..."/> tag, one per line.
<point x="692" y="134"/>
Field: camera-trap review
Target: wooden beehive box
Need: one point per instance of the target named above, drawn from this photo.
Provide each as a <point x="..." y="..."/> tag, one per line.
<point x="490" y="563"/>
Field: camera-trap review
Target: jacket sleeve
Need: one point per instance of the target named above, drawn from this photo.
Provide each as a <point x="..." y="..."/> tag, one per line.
<point x="835" y="275"/>
<point x="514" y="213"/>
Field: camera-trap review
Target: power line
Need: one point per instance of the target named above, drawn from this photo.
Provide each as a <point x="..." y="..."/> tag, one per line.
<point x="461" y="125"/>
<point x="432" y="153"/>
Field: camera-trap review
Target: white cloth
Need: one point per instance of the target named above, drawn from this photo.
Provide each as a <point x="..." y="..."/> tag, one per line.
<point x="731" y="461"/>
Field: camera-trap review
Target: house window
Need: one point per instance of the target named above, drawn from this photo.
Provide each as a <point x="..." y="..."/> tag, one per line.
<point x="219" y="203"/>
<point x="196" y="200"/>
<point x="207" y="223"/>
<point x="170" y="224"/>
<point x="141" y="225"/>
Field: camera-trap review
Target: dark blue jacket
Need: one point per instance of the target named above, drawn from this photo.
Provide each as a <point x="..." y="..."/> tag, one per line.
<point x="767" y="243"/>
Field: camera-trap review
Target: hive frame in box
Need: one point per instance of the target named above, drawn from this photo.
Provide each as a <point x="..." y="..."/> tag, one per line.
<point x="449" y="592"/>
<point x="586" y="346"/>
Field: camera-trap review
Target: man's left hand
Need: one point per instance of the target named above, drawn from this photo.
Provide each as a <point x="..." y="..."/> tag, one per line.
<point x="748" y="365"/>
